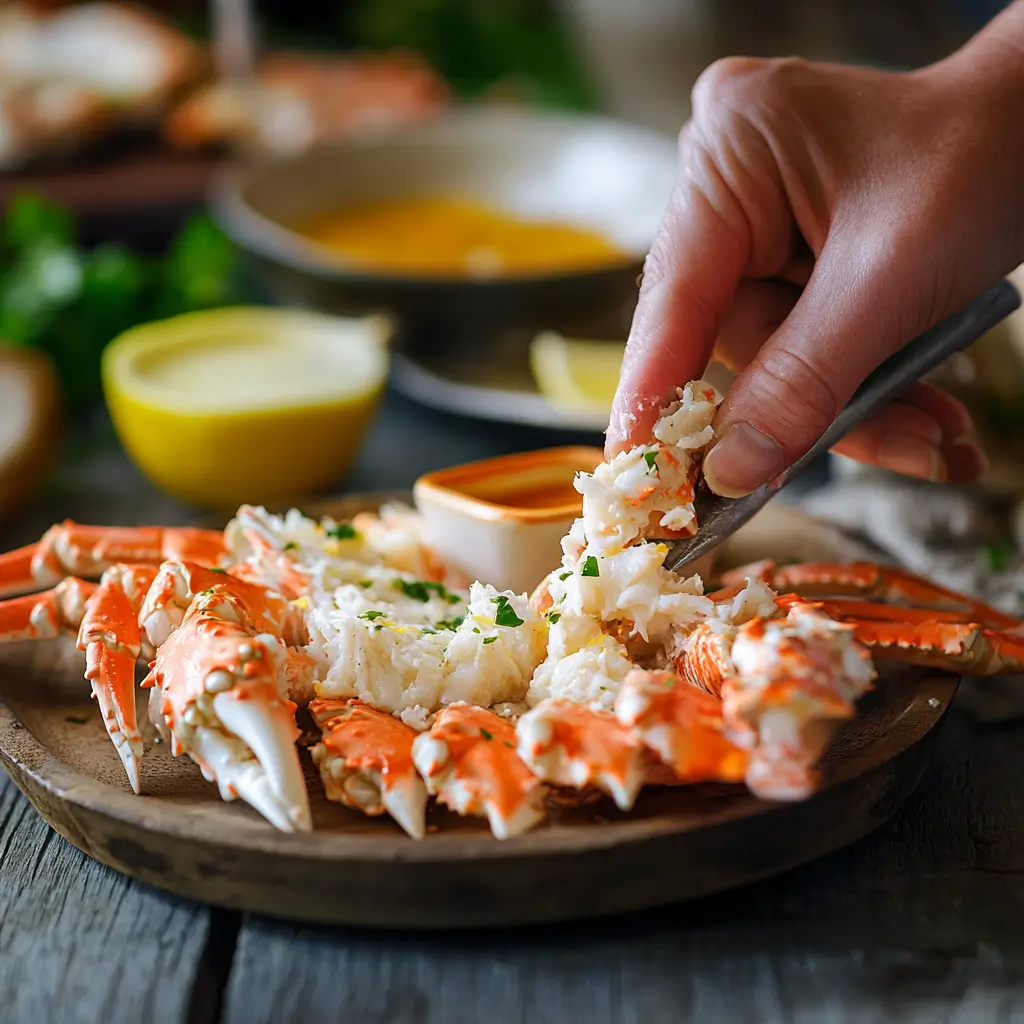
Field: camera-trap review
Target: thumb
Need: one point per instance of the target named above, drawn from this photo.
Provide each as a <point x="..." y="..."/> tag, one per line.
<point x="854" y="313"/>
<point x="690" y="277"/>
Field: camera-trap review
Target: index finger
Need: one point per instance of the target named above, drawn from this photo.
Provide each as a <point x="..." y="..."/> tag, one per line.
<point x="690" y="276"/>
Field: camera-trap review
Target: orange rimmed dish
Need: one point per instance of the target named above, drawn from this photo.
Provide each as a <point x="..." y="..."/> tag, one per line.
<point x="502" y="519"/>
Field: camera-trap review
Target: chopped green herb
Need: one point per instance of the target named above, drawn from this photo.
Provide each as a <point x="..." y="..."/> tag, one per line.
<point x="475" y="630"/>
<point x="221" y="572"/>
<point x="452" y="624"/>
<point x="509" y="745"/>
<point x="291" y="546"/>
<point x="486" y="735"/>
<point x="420" y="590"/>
<point x="427" y="629"/>
<point x="590" y="567"/>
<point x="565" y="575"/>
<point x="204" y="593"/>
<point x="76" y="720"/>
<point x="651" y="458"/>
<point x="506" y="614"/>
<point x="489" y="639"/>
<point x="553" y="617"/>
<point x="997" y="555"/>
<point x="365" y="584"/>
<point x="371" y="615"/>
<point x="343" y="531"/>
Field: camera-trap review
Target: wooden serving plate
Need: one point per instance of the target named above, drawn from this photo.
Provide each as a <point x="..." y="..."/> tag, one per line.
<point x="587" y="861"/>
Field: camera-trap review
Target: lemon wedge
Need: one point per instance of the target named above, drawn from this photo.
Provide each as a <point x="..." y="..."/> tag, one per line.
<point x="238" y="405"/>
<point x="574" y="374"/>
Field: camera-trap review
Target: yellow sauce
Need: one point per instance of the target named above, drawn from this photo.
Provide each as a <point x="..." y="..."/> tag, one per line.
<point x="455" y="237"/>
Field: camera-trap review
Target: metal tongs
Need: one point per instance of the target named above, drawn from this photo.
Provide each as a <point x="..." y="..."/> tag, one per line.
<point x="718" y="518"/>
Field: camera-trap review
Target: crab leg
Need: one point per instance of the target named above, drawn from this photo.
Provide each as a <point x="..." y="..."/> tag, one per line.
<point x="73" y="549"/>
<point x="929" y="637"/>
<point x="46" y="614"/>
<point x="567" y="744"/>
<point x="468" y="760"/>
<point x="868" y="581"/>
<point x="226" y="703"/>
<point x="365" y="761"/>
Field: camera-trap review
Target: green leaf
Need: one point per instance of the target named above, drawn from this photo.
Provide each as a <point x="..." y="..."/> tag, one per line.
<point x="505" y="615"/>
<point x="343" y="531"/>
<point x="651" y="458"/>
<point x="371" y="615"/>
<point x="590" y="567"/>
<point x="997" y="556"/>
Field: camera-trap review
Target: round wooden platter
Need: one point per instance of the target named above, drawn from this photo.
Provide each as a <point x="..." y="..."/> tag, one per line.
<point x="586" y="861"/>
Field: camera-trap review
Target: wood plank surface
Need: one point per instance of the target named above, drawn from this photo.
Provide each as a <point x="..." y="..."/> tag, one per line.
<point x="919" y="922"/>
<point x="81" y="944"/>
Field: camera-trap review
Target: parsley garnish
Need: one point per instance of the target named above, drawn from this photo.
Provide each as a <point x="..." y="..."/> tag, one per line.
<point x="371" y="615"/>
<point x="997" y="554"/>
<point x="506" y="614"/>
<point x="590" y="567"/>
<point x="420" y="590"/>
<point x="365" y="584"/>
<point x="220" y="572"/>
<point x="565" y="575"/>
<point x="427" y="629"/>
<point x="204" y="593"/>
<point x="486" y="735"/>
<point x="290" y="546"/>
<point x="651" y="458"/>
<point x="509" y="745"/>
<point x="343" y="531"/>
<point x="489" y="639"/>
<point x="452" y="624"/>
<point x="553" y="617"/>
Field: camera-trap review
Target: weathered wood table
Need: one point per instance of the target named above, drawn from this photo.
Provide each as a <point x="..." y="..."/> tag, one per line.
<point x="922" y="921"/>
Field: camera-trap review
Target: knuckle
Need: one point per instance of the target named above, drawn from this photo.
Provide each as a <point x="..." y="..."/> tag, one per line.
<point x="740" y="83"/>
<point x="796" y="400"/>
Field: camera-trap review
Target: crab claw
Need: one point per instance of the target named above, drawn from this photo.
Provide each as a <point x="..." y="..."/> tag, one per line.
<point x="224" y="699"/>
<point x="468" y="759"/>
<point x="567" y="744"/>
<point x="365" y="761"/>
<point x="682" y="724"/>
<point x="273" y="785"/>
<point x="16" y="571"/>
<point x="112" y="642"/>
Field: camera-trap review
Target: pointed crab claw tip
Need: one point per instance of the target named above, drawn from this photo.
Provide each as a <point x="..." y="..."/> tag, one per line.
<point x="407" y="804"/>
<point x="270" y="734"/>
<point x="131" y="757"/>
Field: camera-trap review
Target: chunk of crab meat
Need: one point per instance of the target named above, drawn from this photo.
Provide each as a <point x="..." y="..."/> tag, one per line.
<point x="705" y="659"/>
<point x="70" y="548"/>
<point x="796" y="679"/>
<point x="468" y="760"/>
<point x="365" y="761"/>
<point x="872" y="582"/>
<point x="567" y="744"/>
<point x="223" y="697"/>
<point x="683" y="725"/>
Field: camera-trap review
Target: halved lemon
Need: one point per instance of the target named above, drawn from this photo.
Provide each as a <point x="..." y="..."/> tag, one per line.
<point x="245" y="404"/>
<point x="576" y="374"/>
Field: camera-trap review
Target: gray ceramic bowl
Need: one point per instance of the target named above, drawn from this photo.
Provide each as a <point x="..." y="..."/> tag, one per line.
<point x="602" y="174"/>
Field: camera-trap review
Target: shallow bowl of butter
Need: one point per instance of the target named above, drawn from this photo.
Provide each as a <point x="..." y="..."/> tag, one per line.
<point x="478" y="222"/>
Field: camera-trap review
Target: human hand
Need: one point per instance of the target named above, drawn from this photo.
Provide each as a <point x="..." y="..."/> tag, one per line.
<point x="823" y="216"/>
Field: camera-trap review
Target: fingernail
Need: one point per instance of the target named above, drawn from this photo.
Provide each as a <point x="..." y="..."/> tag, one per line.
<point x="910" y="456"/>
<point x="741" y="461"/>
